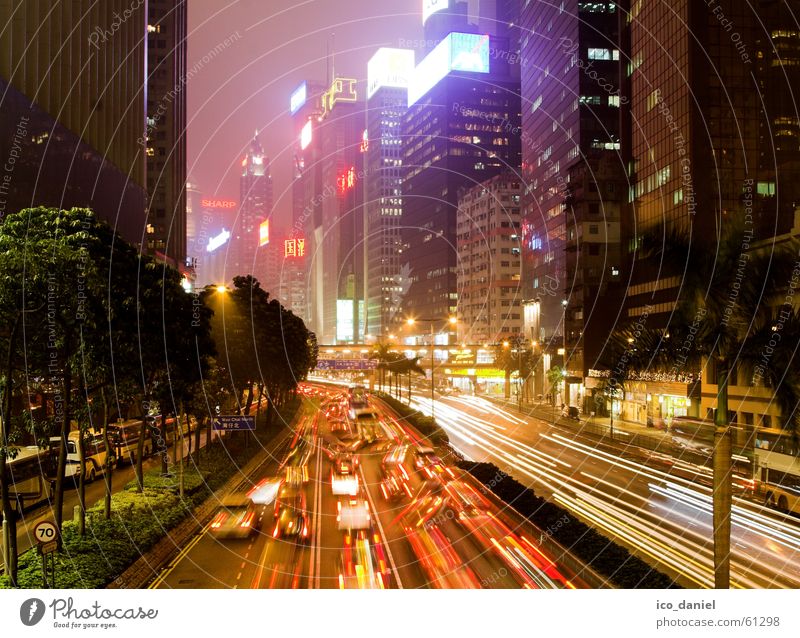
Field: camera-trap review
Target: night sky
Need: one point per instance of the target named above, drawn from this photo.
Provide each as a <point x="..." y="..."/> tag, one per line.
<point x="275" y="45"/>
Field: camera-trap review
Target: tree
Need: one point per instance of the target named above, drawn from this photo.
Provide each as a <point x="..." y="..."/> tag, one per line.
<point x="555" y="377"/>
<point x="733" y="312"/>
<point x="514" y="356"/>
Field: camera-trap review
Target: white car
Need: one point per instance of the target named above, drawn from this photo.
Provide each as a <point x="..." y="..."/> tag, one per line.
<point x="344" y="484"/>
<point x="354" y="514"/>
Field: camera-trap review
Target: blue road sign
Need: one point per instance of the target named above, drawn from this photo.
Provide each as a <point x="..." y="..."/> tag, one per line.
<point x="234" y="423"/>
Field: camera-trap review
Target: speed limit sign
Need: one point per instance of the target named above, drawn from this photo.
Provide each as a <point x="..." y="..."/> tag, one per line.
<point x="45" y="531"/>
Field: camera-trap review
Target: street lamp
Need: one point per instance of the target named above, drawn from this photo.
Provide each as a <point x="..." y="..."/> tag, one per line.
<point x="452" y="321"/>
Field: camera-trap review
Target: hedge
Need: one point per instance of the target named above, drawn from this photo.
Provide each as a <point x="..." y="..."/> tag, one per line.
<point x="614" y="562"/>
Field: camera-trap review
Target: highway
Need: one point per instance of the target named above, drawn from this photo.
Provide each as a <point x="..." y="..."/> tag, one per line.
<point x="657" y="506"/>
<point x="401" y="518"/>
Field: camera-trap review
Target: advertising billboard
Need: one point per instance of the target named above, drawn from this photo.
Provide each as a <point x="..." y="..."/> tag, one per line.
<point x="389" y="68"/>
<point x="218" y="240"/>
<point x="306" y="135"/>
<point x="263" y="233"/>
<point x="466" y="52"/>
<point x="298" y="98"/>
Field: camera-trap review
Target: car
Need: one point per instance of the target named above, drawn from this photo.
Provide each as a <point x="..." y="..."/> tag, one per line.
<point x="291" y="522"/>
<point x="235" y="518"/>
<point x="344" y="484"/>
<point x="353" y="514"/>
<point x="345" y="463"/>
<point x="291" y="517"/>
<point x="571" y="412"/>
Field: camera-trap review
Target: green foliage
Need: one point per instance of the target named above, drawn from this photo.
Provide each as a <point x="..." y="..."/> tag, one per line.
<point x="139" y="519"/>
<point x="609" y="559"/>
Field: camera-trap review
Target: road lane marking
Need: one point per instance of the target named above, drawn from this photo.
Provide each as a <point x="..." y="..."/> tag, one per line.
<point x="181" y="555"/>
<point x="380" y="528"/>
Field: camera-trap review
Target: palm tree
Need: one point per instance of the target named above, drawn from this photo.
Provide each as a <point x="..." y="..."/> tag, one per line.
<point x="728" y="316"/>
<point x="409" y="367"/>
<point x="382" y="352"/>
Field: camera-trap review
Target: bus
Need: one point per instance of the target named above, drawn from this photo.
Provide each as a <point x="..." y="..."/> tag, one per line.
<point x="776" y="477"/>
<point x="124" y="438"/>
<point x="96" y="454"/>
<point x="30" y="475"/>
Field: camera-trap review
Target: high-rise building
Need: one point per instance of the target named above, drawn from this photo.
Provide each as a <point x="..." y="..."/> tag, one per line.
<point x="489" y="272"/>
<point x="332" y="214"/>
<point x="251" y="228"/>
<point x="386" y="274"/>
<point x="461" y="128"/>
<point x="72" y="116"/>
<point x="715" y="141"/>
<point x="166" y="128"/>
<point x="196" y="225"/>
<point x="574" y="177"/>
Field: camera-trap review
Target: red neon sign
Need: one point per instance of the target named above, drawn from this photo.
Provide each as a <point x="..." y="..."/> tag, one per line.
<point x="346" y="181"/>
<point x="294" y="248"/>
<point x="218" y="203"/>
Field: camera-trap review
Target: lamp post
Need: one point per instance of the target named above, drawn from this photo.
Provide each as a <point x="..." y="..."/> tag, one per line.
<point x="564" y="303"/>
<point x="452" y="321"/>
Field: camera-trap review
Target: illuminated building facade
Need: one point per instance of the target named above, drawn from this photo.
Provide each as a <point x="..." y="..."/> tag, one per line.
<point x="386" y="273"/>
<point x="489" y="262"/>
<point x="461" y="129"/>
<point x="332" y="213"/>
<point x="255" y="188"/>
<point x="574" y="178"/>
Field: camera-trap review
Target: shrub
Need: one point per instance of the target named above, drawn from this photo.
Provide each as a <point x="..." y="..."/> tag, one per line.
<point x="139" y="519"/>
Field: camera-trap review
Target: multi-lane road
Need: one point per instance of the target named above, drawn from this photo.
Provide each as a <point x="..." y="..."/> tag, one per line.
<point x="657" y="506"/>
<point x="361" y="503"/>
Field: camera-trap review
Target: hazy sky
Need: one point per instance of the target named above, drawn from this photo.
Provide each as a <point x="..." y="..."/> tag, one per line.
<point x="274" y="45"/>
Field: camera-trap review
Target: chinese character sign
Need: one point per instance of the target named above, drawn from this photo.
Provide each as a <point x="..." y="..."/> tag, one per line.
<point x="294" y="248"/>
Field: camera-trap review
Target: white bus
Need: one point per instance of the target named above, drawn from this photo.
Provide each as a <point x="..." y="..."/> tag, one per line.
<point x="124" y="438"/>
<point x="777" y="469"/>
<point x="30" y="476"/>
<point x="96" y="454"/>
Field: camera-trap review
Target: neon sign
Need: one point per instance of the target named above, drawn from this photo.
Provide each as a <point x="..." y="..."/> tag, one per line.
<point x="218" y="203"/>
<point x="298" y="98"/>
<point x="219" y="240"/>
<point x="364" y="141"/>
<point x="263" y="233"/>
<point x="294" y="248"/>
<point x="306" y="135"/>
<point x="346" y="180"/>
<point x="342" y="90"/>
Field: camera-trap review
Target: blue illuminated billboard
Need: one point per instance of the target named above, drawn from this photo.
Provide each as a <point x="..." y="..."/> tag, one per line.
<point x="298" y="98"/>
<point x="465" y="52"/>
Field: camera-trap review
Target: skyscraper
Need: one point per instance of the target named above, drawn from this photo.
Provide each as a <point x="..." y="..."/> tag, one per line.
<point x="387" y="275"/>
<point x="74" y="115"/>
<point x="166" y="128"/>
<point x="255" y="207"/>
<point x="333" y="214"/>
<point x="461" y="129"/>
<point x="715" y="134"/>
<point x="574" y="178"/>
